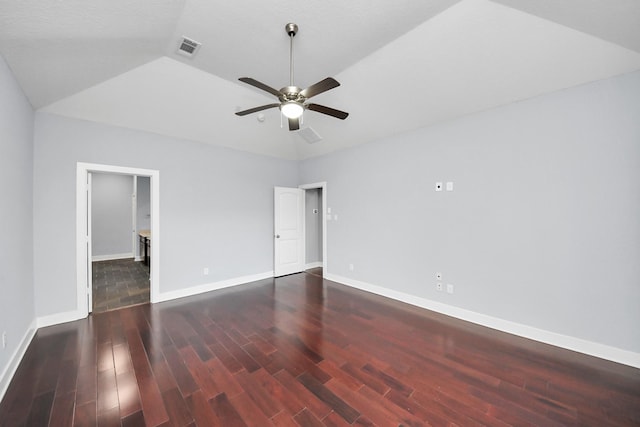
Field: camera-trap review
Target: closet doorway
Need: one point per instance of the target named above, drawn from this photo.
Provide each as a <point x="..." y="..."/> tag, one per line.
<point x="315" y="228"/>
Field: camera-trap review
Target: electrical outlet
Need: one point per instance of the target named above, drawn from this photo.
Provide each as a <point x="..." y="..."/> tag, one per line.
<point x="449" y="288"/>
<point x="205" y="271"/>
<point x="439" y="287"/>
<point x="4" y="340"/>
<point x="449" y="186"/>
<point x="439" y="276"/>
<point x="351" y="267"/>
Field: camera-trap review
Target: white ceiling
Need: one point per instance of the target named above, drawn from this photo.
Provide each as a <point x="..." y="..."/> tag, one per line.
<point x="402" y="64"/>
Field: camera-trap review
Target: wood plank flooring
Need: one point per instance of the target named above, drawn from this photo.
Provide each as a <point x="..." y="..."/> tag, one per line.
<point x="300" y="351"/>
<point x="119" y="283"/>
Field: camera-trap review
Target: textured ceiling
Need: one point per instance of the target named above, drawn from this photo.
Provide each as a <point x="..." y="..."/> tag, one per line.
<point x="402" y="64"/>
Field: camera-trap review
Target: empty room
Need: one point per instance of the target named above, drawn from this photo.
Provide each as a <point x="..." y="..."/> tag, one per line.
<point x="372" y="213"/>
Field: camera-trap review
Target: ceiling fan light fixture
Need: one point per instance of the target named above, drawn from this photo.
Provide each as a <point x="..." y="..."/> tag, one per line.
<point x="292" y="109"/>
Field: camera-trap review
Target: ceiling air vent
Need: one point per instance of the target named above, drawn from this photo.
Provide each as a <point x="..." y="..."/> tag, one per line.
<point x="309" y="135"/>
<point x="188" y="47"/>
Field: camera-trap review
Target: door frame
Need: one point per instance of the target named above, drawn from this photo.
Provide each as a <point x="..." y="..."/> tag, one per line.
<point x="82" y="239"/>
<point x="323" y="186"/>
<point x="89" y="240"/>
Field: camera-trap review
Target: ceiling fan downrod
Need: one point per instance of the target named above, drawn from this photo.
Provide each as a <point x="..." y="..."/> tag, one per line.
<point x="292" y="30"/>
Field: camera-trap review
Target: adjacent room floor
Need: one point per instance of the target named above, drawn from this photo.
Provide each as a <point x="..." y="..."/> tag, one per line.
<point x="316" y="271"/>
<point x="119" y="283"/>
<point x="303" y="351"/>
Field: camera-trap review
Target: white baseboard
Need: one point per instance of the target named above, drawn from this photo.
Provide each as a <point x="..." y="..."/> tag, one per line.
<point x="58" y="318"/>
<point x="111" y="257"/>
<point x="138" y="258"/>
<point x="16" y="358"/>
<point x="591" y="348"/>
<point x="70" y="316"/>
<point x="315" y="264"/>
<point x="195" y="290"/>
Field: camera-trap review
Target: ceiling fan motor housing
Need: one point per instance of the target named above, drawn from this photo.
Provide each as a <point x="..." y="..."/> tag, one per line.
<point x="291" y="93"/>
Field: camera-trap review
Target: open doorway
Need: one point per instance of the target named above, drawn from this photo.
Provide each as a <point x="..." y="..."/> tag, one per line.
<point x="119" y="218"/>
<point x="86" y="173"/>
<point x="315" y="230"/>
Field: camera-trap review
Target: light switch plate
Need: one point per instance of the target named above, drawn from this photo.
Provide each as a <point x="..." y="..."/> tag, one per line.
<point x="449" y="186"/>
<point x="438" y="186"/>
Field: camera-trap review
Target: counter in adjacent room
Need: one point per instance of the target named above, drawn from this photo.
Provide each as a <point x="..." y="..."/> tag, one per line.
<point x="145" y="245"/>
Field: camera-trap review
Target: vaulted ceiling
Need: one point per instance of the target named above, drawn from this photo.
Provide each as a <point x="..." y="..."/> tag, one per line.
<point x="402" y="65"/>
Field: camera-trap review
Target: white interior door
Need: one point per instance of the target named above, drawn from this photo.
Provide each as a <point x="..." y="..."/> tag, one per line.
<point x="288" y="231"/>
<point x="89" y="252"/>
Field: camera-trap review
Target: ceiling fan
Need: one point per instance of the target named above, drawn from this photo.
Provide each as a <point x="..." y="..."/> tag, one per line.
<point x="293" y="100"/>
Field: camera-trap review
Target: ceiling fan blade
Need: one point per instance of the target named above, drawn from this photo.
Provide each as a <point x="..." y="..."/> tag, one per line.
<point x="294" y="124"/>
<point x="260" y="85"/>
<point x="328" y="111"/>
<point x="321" y="86"/>
<point x="256" y="109"/>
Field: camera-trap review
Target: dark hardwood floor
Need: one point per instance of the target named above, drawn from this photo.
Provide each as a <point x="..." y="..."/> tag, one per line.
<point x="300" y="351"/>
<point x="119" y="283"/>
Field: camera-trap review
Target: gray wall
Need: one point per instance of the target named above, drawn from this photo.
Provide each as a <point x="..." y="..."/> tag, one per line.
<point x="111" y="214"/>
<point x="16" y="214"/>
<point x="543" y="225"/>
<point x="313" y="225"/>
<point x="143" y="199"/>
<point x="143" y="208"/>
<point x="216" y="205"/>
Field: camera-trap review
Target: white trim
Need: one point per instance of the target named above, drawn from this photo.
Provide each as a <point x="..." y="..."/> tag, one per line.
<point x="70" y="316"/>
<point x="138" y="258"/>
<point x="58" y="318"/>
<point x="314" y="264"/>
<point x="322" y="185"/>
<point x="16" y="358"/>
<point x="200" y="289"/>
<point x="134" y="217"/>
<point x="111" y="257"/>
<point x="88" y="261"/>
<point x="81" y="224"/>
<point x="591" y="348"/>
